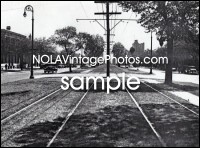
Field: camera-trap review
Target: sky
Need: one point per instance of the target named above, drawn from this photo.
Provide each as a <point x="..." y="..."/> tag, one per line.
<point x="52" y="15"/>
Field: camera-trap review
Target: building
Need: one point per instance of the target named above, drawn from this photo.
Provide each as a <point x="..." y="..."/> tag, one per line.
<point x="13" y="49"/>
<point x="139" y="48"/>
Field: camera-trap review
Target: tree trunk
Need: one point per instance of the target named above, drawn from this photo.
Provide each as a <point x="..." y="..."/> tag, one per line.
<point x="21" y="61"/>
<point x="81" y="64"/>
<point x="70" y="67"/>
<point x="168" y="72"/>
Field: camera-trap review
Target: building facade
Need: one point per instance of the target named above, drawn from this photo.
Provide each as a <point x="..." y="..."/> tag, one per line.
<point x="13" y="49"/>
<point x="139" y="48"/>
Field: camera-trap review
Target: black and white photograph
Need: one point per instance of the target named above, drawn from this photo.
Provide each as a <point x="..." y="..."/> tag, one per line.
<point x="99" y="73"/>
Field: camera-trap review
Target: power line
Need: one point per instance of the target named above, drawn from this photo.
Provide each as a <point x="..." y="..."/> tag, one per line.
<point x="86" y="14"/>
<point x="108" y="28"/>
<point x="114" y="21"/>
<point x="104" y="22"/>
<point x="83" y="9"/>
<point x="98" y="9"/>
<point x="124" y="30"/>
<point x="127" y="23"/>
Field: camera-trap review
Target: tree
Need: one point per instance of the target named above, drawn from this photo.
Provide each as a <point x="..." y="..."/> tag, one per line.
<point x="94" y="46"/>
<point x="184" y="54"/>
<point x="173" y="20"/>
<point x="25" y="53"/>
<point x="132" y="50"/>
<point x="44" y="46"/>
<point x="66" y="39"/>
<point x="118" y="50"/>
<point x="82" y="39"/>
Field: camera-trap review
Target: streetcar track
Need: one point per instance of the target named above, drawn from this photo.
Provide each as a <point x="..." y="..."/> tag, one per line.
<point x="67" y="118"/>
<point x="24" y="101"/>
<point x="151" y="123"/>
<point x="173" y="100"/>
<point x="138" y="106"/>
<point x="185" y="107"/>
<point x="27" y="107"/>
<point x="147" y="120"/>
<point x="2" y="142"/>
<point x="145" y="116"/>
<point x="44" y="103"/>
<point x="162" y="142"/>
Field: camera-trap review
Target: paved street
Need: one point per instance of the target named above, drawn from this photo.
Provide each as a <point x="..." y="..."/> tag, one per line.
<point x="21" y="75"/>
<point x="157" y="74"/>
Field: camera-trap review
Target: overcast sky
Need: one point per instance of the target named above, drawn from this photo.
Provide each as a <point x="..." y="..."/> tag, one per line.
<point x="52" y="15"/>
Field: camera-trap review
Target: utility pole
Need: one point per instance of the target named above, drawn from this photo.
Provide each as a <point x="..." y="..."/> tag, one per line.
<point x="108" y="38"/>
<point x="108" y="29"/>
<point x="151" y="66"/>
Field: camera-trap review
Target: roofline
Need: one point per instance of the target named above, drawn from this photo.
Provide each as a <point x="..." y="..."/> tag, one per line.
<point x="4" y="30"/>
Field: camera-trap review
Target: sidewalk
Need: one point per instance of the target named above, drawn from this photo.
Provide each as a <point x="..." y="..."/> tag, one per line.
<point x="10" y="70"/>
<point x="187" y="96"/>
<point x="193" y="99"/>
<point x="158" y="77"/>
<point x="159" y="74"/>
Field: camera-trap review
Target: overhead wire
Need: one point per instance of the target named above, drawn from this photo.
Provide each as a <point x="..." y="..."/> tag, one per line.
<point x="82" y="6"/>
